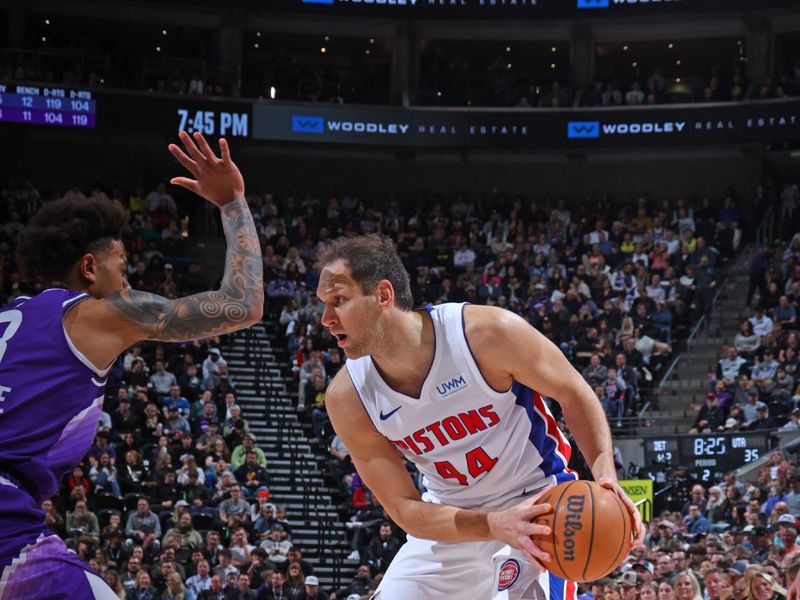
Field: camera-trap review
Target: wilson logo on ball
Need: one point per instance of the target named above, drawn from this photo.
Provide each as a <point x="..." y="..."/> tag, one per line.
<point x="509" y="573"/>
<point x="572" y="524"/>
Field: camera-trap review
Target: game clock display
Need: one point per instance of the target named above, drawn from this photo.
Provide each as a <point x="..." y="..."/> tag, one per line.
<point x="40" y="105"/>
<point x="214" y="122"/>
<point x="705" y="457"/>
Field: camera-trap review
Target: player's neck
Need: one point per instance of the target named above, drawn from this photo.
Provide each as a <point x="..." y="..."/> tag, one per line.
<point x="72" y="282"/>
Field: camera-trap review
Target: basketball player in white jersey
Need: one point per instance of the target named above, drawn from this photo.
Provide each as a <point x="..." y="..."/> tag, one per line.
<point x="456" y="389"/>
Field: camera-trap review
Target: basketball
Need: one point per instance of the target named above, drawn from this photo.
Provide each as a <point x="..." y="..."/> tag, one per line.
<point x="590" y="531"/>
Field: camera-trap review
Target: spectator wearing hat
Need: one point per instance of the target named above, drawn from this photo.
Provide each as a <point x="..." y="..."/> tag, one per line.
<point x="175" y="424"/>
<point x="311" y="590"/>
<point x="760" y="540"/>
<point x="239" y="454"/>
<point x="195" y="493"/>
<point x="629" y="585"/>
<point x="276" y="545"/>
<point x="644" y="570"/>
<point x="787" y="535"/>
<point x="124" y="418"/>
<point x="259" y="507"/>
<point x="211" y="364"/>
<point x="763" y="420"/>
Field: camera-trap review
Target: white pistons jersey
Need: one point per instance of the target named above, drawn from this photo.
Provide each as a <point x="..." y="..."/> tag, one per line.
<point x="475" y="446"/>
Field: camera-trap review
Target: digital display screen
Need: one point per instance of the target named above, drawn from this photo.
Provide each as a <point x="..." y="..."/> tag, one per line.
<point x="706" y="457"/>
<point x="39" y="105"/>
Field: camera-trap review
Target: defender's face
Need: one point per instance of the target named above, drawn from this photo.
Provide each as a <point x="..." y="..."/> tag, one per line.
<point x="350" y="315"/>
<point x="110" y="271"/>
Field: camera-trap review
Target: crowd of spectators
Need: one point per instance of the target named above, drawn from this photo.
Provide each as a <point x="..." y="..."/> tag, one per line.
<point x="611" y="284"/>
<point x="734" y="540"/>
<point x="757" y="382"/>
<point x="173" y="498"/>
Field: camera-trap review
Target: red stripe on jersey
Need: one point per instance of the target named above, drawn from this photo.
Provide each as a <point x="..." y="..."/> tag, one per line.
<point x="562" y="445"/>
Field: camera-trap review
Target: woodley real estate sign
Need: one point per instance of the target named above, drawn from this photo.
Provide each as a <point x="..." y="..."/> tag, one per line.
<point x="689" y="124"/>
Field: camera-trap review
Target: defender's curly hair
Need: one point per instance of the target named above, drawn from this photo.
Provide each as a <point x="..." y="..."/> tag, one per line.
<point x="63" y="231"/>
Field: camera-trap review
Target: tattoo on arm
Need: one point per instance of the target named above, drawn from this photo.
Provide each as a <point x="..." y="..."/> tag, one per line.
<point x="237" y="303"/>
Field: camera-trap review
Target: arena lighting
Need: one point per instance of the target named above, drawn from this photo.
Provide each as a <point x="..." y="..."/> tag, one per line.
<point x="44" y="39"/>
<point x="47" y="21"/>
<point x="327" y="38"/>
<point x="163" y="32"/>
<point x="371" y="40"/>
<point x="625" y="48"/>
<point x="158" y="48"/>
<point x="634" y="64"/>
<point x="258" y="34"/>
<point x="256" y="46"/>
<point x="272" y="92"/>
<point x="553" y="49"/>
<point x="678" y="62"/>
<point x="508" y="48"/>
<point x="323" y="50"/>
<point x="670" y="45"/>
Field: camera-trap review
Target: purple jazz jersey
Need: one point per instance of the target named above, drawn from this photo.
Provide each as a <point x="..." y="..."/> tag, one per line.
<point x="51" y="397"/>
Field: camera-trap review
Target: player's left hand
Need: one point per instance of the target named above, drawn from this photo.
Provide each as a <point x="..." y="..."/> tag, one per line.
<point x="636" y="517"/>
<point x="516" y="527"/>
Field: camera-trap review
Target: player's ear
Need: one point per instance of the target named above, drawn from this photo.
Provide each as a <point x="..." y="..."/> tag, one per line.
<point x="87" y="267"/>
<point x="385" y="293"/>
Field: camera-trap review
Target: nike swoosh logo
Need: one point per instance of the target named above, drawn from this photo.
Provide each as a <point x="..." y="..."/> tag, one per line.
<point x="389" y="414"/>
<point x="525" y="492"/>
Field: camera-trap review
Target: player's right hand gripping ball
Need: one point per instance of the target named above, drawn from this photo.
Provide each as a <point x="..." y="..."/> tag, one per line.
<point x="591" y="531"/>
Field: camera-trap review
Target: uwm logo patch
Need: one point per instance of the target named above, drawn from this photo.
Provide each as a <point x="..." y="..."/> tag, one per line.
<point x="451" y="386"/>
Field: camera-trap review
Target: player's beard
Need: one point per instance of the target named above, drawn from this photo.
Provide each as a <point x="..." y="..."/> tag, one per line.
<point x="372" y="335"/>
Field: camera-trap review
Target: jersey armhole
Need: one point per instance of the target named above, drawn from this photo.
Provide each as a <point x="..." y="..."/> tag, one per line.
<point x="360" y="399"/>
<point x="68" y="306"/>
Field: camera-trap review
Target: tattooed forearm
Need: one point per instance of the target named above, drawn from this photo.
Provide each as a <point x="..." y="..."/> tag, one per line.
<point x="237" y="304"/>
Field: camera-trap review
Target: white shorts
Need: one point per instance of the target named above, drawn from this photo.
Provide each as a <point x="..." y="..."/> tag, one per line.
<point x="424" y="569"/>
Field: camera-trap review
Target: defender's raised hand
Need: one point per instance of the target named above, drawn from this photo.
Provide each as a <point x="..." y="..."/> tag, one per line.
<point x="218" y="180"/>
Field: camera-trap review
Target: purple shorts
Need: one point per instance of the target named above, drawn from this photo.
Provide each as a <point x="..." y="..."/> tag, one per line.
<point x="34" y="563"/>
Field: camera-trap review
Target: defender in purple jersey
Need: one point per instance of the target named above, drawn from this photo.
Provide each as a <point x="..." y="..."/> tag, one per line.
<point x="60" y="344"/>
